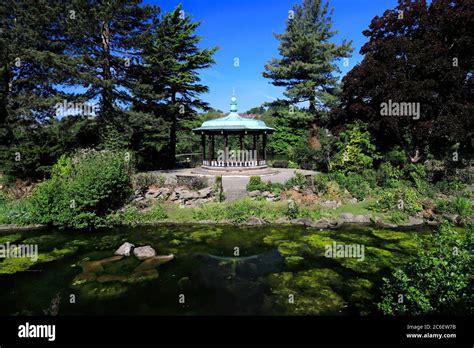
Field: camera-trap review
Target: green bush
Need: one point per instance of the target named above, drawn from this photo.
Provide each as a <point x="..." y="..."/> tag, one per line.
<point x="320" y="183"/>
<point x="354" y="183"/>
<point x="280" y="164"/>
<point x="456" y="205"/>
<point x="241" y="210"/>
<point x="292" y="165"/>
<point x="144" y="180"/>
<point x="437" y="281"/>
<point x="299" y="180"/>
<point x="449" y="187"/>
<point x="18" y="212"/>
<point x="355" y="150"/>
<point x="389" y="176"/>
<point x="404" y="198"/>
<point x="292" y="211"/>
<point x="256" y="183"/>
<point x="84" y="189"/>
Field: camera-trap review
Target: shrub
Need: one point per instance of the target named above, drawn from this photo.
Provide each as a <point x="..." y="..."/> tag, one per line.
<point x="18" y="212"/>
<point x="397" y="156"/>
<point x="292" y="211"/>
<point x="256" y="183"/>
<point x="299" y="180"/>
<point x="449" y="187"/>
<point x="355" y="150"/>
<point x="142" y="181"/>
<point x="193" y="182"/>
<point x="456" y="205"/>
<point x="437" y="281"/>
<point x="398" y="216"/>
<point x="405" y="199"/>
<point x="320" y="183"/>
<point x="218" y="189"/>
<point x="388" y="175"/>
<point x="354" y="183"/>
<point x="292" y="165"/>
<point x="84" y="189"/>
<point x="280" y="164"/>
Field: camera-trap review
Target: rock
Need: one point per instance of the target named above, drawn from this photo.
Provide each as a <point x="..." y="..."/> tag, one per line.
<point x="362" y="219"/>
<point x="188" y="195"/>
<point x="153" y="262"/>
<point x="205" y="192"/>
<point x="151" y="193"/>
<point x="163" y="193"/>
<point x="324" y="223"/>
<point x="254" y="221"/>
<point x="433" y="223"/>
<point x="347" y="217"/>
<point x="266" y="193"/>
<point x="124" y="249"/>
<point x="453" y="218"/>
<point x="352" y="200"/>
<point x="174" y="196"/>
<point x="256" y="193"/>
<point x="302" y="221"/>
<point x="331" y="204"/>
<point x="144" y="252"/>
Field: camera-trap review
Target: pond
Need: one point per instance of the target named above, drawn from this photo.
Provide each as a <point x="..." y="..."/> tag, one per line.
<point x="217" y="270"/>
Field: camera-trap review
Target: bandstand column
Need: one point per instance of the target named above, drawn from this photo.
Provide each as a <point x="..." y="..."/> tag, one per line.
<point x="203" y="147"/>
<point x="209" y="155"/>
<point x="264" y="144"/>
<point x="226" y="144"/>
<point x="212" y="146"/>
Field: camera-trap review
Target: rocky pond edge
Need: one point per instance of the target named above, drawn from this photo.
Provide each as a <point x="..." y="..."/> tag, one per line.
<point x="324" y="223"/>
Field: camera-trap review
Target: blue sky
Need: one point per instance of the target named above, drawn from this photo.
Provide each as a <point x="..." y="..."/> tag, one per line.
<point x="244" y="29"/>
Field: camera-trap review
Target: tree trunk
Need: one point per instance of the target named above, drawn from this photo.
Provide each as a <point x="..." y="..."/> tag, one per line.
<point x="106" y="101"/>
<point x="313" y="138"/>
<point x="174" y="125"/>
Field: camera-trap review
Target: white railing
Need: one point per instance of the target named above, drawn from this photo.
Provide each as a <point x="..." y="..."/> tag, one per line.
<point x="215" y="163"/>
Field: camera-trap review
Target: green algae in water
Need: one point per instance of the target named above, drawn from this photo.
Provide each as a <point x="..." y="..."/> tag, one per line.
<point x="13" y="265"/>
<point x="274" y="261"/>
<point x="304" y="293"/>
<point x="10" y="238"/>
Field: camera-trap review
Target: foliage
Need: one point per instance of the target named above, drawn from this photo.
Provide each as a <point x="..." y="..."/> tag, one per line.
<point x="293" y="210"/>
<point x="256" y="183"/>
<point x="412" y="50"/>
<point x="456" y="205"/>
<point x="280" y="164"/>
<point x="83" y="189"/>
<point x="147" y="179"/>
<point x="403" y="198"/>
<point x="19" y="212"/>
<point x="355" y="150"/>
<point x="438" y="280"/>
<point x="219" y="189"/>
<point x="307" y="64"/>
<point x="241" y="210"/>
<point x="355" y="184"/>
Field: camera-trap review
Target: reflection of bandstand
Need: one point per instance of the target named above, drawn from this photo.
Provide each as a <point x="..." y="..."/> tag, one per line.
<point x="233" y="125"/>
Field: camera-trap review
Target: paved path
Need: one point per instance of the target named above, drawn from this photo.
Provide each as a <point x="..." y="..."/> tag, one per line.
<point x="235" y="186"/>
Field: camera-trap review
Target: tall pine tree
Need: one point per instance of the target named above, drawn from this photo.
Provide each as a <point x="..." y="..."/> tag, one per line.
<point x="169" y="83"/>
<point x="307" y="65"/>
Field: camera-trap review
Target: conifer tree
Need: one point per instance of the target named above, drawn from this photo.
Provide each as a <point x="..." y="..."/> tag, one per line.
<point x="169" y="80"/>
<point x="308" y="60"/>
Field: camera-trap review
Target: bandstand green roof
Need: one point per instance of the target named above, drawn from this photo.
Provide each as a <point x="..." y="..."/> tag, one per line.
<point x="234" y="122"/>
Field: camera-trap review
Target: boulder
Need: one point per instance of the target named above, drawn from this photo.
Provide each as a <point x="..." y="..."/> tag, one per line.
<point x="412" y="222"/>
<point x="153" y="262"/>
<point x="144" y="252"/>
<point x="324" y="223"/>
<point x="347" y="217"/>
<point x="331" y="204"/>
<point x="302" y="221"/>
<point x="188" y="195"/>
<point x="125" y="249"/>
<point x="174" y="196"/>
<point x="266" y="193"/>
<point x="205" y="192"/>
<point x="163" y="192"/>
<point x="255" y="193"/>
<point x="151" y="193"/>
<point x="362" y="219"/>
<point x="254" y="221"/>
<point x="453" y="218"/>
